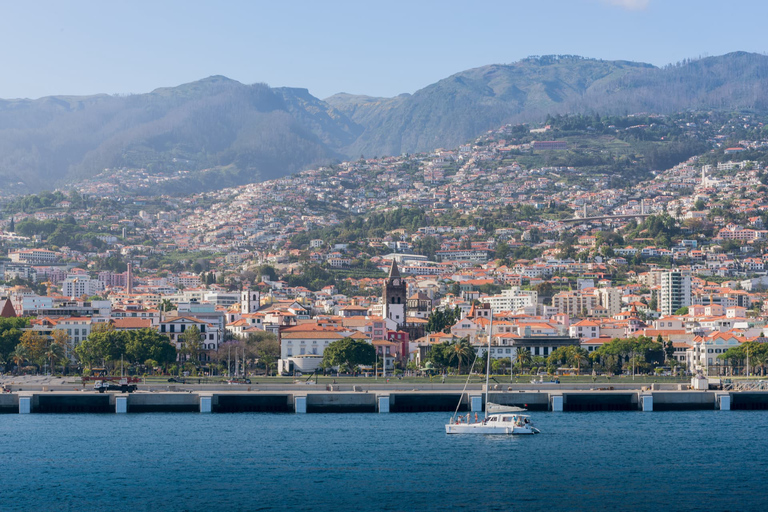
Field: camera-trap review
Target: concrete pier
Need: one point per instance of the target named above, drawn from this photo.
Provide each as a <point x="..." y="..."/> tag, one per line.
<point x="206" y="404"/>
<point x="647" y="402"/>
<point x="25" y="404"/>
<point x="301" y="400"/>
<point x="9" y="403"/>
<point x="750" y="401"/>
<point x="300" y="404"/>
<point x="383" y="404"/>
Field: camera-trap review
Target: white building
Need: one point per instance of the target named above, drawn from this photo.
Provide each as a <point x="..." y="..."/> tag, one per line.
<point x="512" y="299"/>
<point x="77" y="286"/>
<point x="675" y="291"/>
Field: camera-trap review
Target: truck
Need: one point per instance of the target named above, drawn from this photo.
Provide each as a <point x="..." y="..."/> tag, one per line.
<point x="122" y="386"/>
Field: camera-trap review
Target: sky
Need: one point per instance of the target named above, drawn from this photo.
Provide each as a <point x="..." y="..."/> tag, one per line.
<point x="383" y="48"/>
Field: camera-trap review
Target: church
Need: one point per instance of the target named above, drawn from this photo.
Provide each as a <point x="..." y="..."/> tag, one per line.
<point x="394" y="297"/>
<point x="395" y="302"/>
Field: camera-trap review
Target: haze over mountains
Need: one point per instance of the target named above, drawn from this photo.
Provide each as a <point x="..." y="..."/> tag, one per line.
<point x="253" y="132"/>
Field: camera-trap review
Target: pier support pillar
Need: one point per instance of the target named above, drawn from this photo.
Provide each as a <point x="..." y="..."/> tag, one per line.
<point x="25" y="404"/>
<point x="383" y="404"/>
<point x="725" y="402"/>
<point x="121" y="404"/>
<point x="300" y="404"/>
<point x="557" y="403"/>
<point x="476" y="403"/>
<point x="206" y="404"/>
<point x="647" y="403"/>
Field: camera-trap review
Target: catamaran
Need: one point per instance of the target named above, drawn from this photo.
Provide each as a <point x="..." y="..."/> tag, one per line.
<point x="497" y="419"/>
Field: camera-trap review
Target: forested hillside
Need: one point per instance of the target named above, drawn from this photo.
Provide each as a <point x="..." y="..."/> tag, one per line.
<point x="243" y="133"/>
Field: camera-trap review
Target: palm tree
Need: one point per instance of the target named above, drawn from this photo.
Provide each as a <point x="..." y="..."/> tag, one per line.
<point x="577" y="355"/>
<point x="54" y="353"/>
<point x="523" y="357"/>
<point x="19" y="356"/>
<point x="461" y="351"/>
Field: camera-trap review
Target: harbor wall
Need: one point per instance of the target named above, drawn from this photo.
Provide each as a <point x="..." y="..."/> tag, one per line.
<point x="396" y="401"/>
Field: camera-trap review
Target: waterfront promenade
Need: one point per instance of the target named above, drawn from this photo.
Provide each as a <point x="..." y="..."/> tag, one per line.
<point x="50" y="395"/>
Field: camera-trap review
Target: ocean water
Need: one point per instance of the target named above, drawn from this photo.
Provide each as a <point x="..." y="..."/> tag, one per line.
<point x="677" y="461"/>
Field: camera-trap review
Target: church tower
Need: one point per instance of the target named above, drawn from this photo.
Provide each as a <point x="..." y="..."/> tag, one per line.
<point x="395" y="296"/>
<point x="250" y="300"/>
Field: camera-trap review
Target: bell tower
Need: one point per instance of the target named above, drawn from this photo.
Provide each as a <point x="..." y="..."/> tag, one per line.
<point x="250" y="300"/>
<point x="395" y="296"/>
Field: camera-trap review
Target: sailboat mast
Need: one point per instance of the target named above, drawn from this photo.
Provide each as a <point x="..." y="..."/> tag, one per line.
<point x="488" y="363"/>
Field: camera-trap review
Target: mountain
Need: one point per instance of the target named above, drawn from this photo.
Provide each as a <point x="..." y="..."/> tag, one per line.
<point x="250" y="132"/>
<point x="457" y="108"/>
<point x="246" y="133"/>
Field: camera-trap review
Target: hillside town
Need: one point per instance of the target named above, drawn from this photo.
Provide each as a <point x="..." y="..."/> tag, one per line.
<point x="411" y="254"/>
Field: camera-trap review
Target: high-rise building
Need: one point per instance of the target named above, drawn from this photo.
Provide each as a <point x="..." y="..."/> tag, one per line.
<point x="675" y="291"/>
<point x="610" y="299"/>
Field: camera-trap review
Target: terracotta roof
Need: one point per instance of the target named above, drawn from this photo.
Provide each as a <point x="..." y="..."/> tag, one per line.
<point x="311" y="335"/>
<point x="6" y="310"/>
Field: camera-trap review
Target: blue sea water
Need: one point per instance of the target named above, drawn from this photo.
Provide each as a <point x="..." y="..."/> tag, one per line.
<point x="677" y="461"/>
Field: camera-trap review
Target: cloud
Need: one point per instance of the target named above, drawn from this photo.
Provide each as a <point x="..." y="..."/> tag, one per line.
<point x="630" y="5"/>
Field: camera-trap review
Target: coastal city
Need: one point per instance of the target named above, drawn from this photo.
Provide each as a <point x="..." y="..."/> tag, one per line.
<point x="401" y="256"/>
<point x="423" y="257"/>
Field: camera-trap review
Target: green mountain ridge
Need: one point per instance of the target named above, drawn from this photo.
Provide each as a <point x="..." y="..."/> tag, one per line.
<point x="256" y="132"/>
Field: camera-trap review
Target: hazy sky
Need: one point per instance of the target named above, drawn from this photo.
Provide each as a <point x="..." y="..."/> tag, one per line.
<point x="363" y="47"/>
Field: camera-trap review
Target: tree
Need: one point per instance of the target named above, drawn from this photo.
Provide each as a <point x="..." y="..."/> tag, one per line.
<point x="460" y="351"/>
<point x="577" y="355"/>
<point x="268" y="352"/>
<point x="734" y="355"/>
<point x="10" y="334"/>
<point x="102" y="345"/>
<point x="523" y="357"/>
<point x="350" y="353"/>
<point x="682" y="311"/>
<point x="191" y="340"/>
<point x="56" y="352"/>
<point x="35" y="345"/>
<point x="19" y="356"/>
<point x="148" y="344"/>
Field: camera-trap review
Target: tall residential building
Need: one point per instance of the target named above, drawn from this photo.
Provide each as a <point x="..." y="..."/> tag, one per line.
<point x="574" y="303"/>
<point x="675" y="291"/>
<point x="512" y="299"/>
<point x="610" y="299"/>
<point x="76" y="286"/>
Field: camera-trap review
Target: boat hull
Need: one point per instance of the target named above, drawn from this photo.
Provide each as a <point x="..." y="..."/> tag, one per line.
<point x="486" y="429"/>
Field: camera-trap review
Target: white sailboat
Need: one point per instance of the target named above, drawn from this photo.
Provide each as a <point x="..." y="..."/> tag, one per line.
<point x="497" y="419"/>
